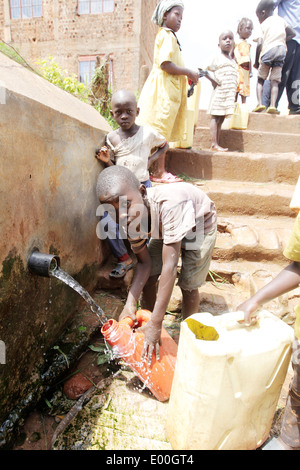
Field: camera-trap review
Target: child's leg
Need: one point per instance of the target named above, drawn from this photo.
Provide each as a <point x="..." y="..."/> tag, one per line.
<point x="110" y="230"/>
<point x="290" y="431"/>
<point x="275" y="77"/>
<point x="196" y="258"/>
<point x="259" y="91"/>
<point x="274" y="93"/>
<point x="215" y="129"/>
<point x="219" y="125"/>
<point x="190" y="302"/>
<point x="149" y="293"/>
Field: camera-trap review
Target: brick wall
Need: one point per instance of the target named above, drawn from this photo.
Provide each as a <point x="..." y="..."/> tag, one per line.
<point x="127" y="34"/>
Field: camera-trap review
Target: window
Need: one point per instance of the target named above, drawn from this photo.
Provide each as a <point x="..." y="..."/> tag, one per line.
<point x="86" y="69"/>
<point x="95" y="6"/>
<point x="87" y="66"/>
<point x="26" y="8"/>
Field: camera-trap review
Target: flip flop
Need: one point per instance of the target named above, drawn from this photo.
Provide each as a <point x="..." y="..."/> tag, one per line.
<point x="120" y="270"/>
<point x="272" y="110"/>
<point x="168" y="178"/>
<point x="259" y="108"/>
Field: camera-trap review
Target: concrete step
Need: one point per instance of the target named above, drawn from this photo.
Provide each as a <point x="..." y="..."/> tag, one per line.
<point x="256" y="167"/>
<point x="262" y="122"/>
<point x="241" y="279"/>
<point x="252" y="239"/>
<point x="247" y="198"/>
<point x="249" y="141"/>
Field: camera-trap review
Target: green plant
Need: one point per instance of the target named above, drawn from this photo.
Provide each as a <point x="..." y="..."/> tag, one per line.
<point x="61" y="352"/>
<point x="97" y="94"/>
<point x="104" y="352"/>
<point x="56" y="75"/>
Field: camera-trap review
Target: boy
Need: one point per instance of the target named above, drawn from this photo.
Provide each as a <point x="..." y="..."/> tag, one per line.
<point x="287" y="279"/>
<point x="270" y="52"/>
<point x="178" y="218"/>
<point x="136" y="147"/>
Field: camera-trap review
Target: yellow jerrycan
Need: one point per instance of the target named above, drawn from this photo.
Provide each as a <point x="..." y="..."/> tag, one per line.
<point x="227" y="381"/>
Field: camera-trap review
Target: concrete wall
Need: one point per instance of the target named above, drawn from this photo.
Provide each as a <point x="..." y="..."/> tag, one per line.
<point x="47" y="199"/>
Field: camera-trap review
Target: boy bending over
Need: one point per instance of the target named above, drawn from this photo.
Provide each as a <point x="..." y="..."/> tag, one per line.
<point x="178" y="218"/>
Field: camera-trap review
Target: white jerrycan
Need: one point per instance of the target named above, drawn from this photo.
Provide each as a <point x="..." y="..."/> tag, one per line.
<point x="225" y="390"/>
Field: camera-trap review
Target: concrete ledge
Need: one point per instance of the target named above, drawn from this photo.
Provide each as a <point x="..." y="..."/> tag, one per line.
<point x="260" y="167"/>
<point x="262" y="122"/>
<point x="249" y="141"/>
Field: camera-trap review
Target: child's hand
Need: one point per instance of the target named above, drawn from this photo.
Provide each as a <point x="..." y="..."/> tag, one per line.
<point x="256" y="65"/>
<point x="193" y="76"/>
<point x="249" y="308"/>
<point x="103" y="154"/>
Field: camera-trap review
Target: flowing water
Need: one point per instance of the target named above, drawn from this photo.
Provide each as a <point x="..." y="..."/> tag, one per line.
<point x="70" y="281"/>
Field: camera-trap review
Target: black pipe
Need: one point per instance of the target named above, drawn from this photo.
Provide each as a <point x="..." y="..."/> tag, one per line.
<point x="42" y="264"/>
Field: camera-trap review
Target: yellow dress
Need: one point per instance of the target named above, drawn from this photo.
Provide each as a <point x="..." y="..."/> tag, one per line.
<point x="292" y="252"/>
<point x="163" y="100"/>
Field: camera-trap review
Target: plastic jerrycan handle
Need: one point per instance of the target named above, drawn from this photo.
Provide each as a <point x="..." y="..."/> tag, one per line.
<point x="239" y="321"/>
<point x="142" y="316"/>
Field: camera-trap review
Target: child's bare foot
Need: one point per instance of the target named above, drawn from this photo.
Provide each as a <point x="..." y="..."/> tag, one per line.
<point x="218" y="148"/>
<point x="165" y="178"/>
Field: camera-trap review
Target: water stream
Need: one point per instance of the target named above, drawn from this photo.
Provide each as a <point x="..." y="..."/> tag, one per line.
<point x="70" y="281"/>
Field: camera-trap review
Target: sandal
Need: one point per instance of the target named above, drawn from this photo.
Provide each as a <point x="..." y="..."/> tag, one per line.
<point x="272" y="110"/>
<point x="259" y="108"/>
<point x="167" y="178"/>
<point x="120" y="270"/>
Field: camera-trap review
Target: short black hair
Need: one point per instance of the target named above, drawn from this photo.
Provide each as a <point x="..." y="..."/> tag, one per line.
<point x="267" y="5"/>
<point x="113" y="177"/>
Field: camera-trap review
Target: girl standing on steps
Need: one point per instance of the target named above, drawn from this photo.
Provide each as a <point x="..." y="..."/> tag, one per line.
<point x="225" y="82"/>
<point x="163" y="100"/>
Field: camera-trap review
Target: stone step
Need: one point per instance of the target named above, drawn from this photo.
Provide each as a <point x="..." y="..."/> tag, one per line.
<point x="252" y="238"/>
<point x="258" y="167"/>
<point x="247" y="198"/>
<point x="249" y="141"/>
<point x="262" y="122"/>
<point x="236" y="281"/>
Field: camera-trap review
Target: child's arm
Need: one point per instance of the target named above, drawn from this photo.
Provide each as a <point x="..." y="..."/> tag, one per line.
<point x="159" y="152"/>
<point x="141" y="275"/>
<point x="174" y="69"/>
<point x="105" y="153"/>
<point x="212" y="80"/>
<point x="257" y="54"/>
<point x="287" y="280"/>
<point x="290" y="33"/>
<point x="152" y="329"/>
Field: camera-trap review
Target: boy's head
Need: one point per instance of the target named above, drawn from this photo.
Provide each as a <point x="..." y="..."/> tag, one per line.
<point x="245" y="28"/>
<point x="124" y="108"/>
<point x="264" y="9"/>
<point x="226" y="41"/>
<point x="119" y="187"/>
<point x="113" y="182"/>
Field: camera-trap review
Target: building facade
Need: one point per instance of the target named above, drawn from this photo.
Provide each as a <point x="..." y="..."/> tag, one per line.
<point x="75" y="32"/>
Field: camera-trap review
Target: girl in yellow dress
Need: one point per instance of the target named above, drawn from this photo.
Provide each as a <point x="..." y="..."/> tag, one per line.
<point x="163" y="100"/>
<point x="243" y="58"/>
